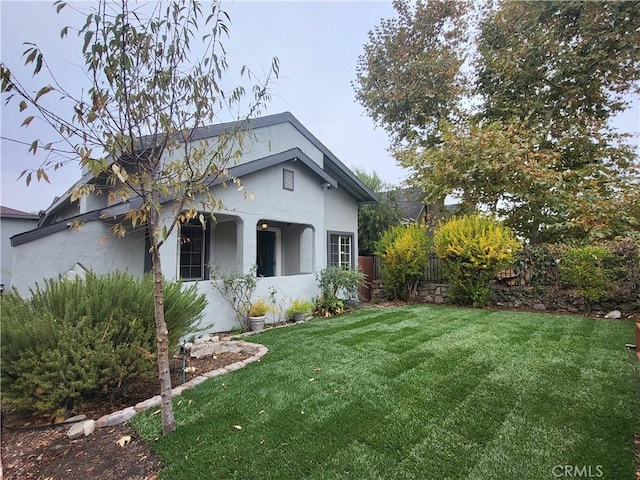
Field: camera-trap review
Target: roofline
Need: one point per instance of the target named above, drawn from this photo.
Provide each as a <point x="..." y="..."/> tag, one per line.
<point x="344" y="178"/>
<point x="20" y="216"/>
<point x="291" y="155"/>
<point x="39" y="232"/>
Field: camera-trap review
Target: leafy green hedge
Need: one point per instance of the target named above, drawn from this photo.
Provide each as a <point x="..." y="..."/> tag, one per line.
<point x="75" y="339"/>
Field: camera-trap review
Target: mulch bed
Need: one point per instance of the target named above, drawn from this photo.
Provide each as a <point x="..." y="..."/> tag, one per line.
<point x="35" y="448"/>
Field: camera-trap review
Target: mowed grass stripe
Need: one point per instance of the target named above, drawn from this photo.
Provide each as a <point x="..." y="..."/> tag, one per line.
<point x="414" y="392"/>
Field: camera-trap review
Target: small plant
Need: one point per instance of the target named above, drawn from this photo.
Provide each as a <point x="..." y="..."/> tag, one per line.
<point x="333" y="280"/>
<point x="277" y="304"/>
<point x="259" y="308"/>
<point x="236" y="288"/>
<point x="299" y="306"/>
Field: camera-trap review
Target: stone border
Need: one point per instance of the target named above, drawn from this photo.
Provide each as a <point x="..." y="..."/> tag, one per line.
<point x="208" y="345"/>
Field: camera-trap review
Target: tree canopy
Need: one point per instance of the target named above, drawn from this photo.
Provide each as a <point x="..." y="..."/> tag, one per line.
<point x="376" y="218"/>
<point x="532" y="137"/>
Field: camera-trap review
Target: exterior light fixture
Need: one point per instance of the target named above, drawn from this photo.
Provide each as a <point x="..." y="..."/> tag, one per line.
<point x="264" y="226"/>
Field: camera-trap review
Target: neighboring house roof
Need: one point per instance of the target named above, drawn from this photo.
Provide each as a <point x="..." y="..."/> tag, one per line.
<point x="6" y="212"/>
<point x="412" y="205"/>
<point x="334" y="173"/>
<point x="410" y="202"/>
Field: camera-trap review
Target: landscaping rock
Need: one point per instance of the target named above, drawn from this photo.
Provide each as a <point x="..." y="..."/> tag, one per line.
<point x="201" y="350"/>
<point x="75" y="419"/>
<point x="148" y="403"/>
<point x="614" y="314"/>
<point x="81" y="429"/>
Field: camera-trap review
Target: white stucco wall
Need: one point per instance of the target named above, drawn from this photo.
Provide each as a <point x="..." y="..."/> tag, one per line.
<point x="259" y="143"/>
<point x="93" y="246"/>
<point x="219" y="317"/>
<point x="8" y="228"/>
<point x="341" y="215"/>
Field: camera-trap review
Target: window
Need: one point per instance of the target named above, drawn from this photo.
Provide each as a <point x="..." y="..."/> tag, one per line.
<point x="287" y="179"/>
<point x="194" y="250"/>
<point x="341" y="249"/>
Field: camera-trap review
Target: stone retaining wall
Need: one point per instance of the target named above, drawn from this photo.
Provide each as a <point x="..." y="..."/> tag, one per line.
<point x="515" y="297"/>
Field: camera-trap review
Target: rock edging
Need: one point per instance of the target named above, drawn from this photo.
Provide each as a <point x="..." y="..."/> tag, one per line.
<point x="208" y="345"/>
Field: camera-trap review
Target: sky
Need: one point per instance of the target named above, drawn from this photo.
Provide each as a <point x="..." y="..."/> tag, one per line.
<point x="317" y="43"/>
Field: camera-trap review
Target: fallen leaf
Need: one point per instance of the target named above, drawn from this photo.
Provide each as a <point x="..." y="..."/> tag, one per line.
<point x="317" y="369"/>
<point x="311" y="379"/>
<point x="124" y="440"/>
<point x="156" y="412"/>
<point x="237" y="427"/>
<point x="260" y="412"/>
<point x="262" y="442"/>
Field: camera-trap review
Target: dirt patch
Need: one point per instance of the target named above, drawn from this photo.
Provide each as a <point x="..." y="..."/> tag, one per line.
<point x="32" y="448"/>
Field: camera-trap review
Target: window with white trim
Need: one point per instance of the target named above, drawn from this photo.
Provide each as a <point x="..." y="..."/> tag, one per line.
<point x="340" y="249"/>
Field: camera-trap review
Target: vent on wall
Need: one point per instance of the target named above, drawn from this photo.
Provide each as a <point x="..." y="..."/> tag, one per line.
<point x="287" y="179"/>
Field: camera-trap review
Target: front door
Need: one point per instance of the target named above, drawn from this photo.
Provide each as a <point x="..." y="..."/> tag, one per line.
<point x="265" y="257"/>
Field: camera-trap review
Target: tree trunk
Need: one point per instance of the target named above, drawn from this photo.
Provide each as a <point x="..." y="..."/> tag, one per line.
<point x="162" y="334"/>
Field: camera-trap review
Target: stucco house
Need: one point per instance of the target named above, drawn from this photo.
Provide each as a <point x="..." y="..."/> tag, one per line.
<point x="12" y="222"/>
<point x="302" y="218"/>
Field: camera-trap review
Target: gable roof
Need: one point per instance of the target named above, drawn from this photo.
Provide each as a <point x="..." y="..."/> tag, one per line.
<point x="334" y="173"/>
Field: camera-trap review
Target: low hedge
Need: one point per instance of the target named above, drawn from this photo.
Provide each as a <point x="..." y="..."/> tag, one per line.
<point x="73" y="340"/>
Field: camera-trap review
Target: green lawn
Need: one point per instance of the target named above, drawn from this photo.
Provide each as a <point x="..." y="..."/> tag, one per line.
<point x="416" y="392"/>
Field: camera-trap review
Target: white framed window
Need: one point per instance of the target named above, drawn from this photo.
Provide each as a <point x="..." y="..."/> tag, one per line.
<point x="340" y="249"/>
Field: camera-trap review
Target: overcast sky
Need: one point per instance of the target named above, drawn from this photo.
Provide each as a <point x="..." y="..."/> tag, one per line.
<point x="317" y="43"/>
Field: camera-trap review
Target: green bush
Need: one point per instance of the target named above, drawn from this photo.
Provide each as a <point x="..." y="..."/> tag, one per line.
<point x="473" y="249"/>
<point x="404" y="253"/>
<point x="75" y="339"/>
<point x="334" y="280"/>
<point x="590" y="270"/>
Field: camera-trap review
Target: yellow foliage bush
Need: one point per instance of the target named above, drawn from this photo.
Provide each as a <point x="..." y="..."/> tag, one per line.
<point x="474" y="248"/>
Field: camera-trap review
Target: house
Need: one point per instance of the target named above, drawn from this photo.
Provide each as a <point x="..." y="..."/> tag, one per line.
<point x="12" y="222"/>
<point x="302" y="218"/>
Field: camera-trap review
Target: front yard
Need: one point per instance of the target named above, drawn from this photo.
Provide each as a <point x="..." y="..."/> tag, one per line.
<point x="415" y="392"/>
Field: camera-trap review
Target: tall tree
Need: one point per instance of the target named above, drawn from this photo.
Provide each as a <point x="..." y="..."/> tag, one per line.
<point x="155" y="73"/>
<point x="410" y="75"/>
<point x="376" y="218"/>
<point x="538" y="146"/>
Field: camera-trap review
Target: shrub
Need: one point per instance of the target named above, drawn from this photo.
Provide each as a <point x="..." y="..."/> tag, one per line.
<point x="589" y="270"/>
<point x="298" y="305"/>
<point x="236" y="288"/>
<point x="404" y="252"/>
<point x="331" y="281"/>
<point x="473" y="249"/>
<point x="75" y="339"/>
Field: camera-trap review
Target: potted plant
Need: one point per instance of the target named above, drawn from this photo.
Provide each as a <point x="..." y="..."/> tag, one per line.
<point x="257" y="314"/>
<point x="299" y="310"/>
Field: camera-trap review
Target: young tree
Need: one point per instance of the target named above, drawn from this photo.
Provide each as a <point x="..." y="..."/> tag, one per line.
<point x="155" y="73"/>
